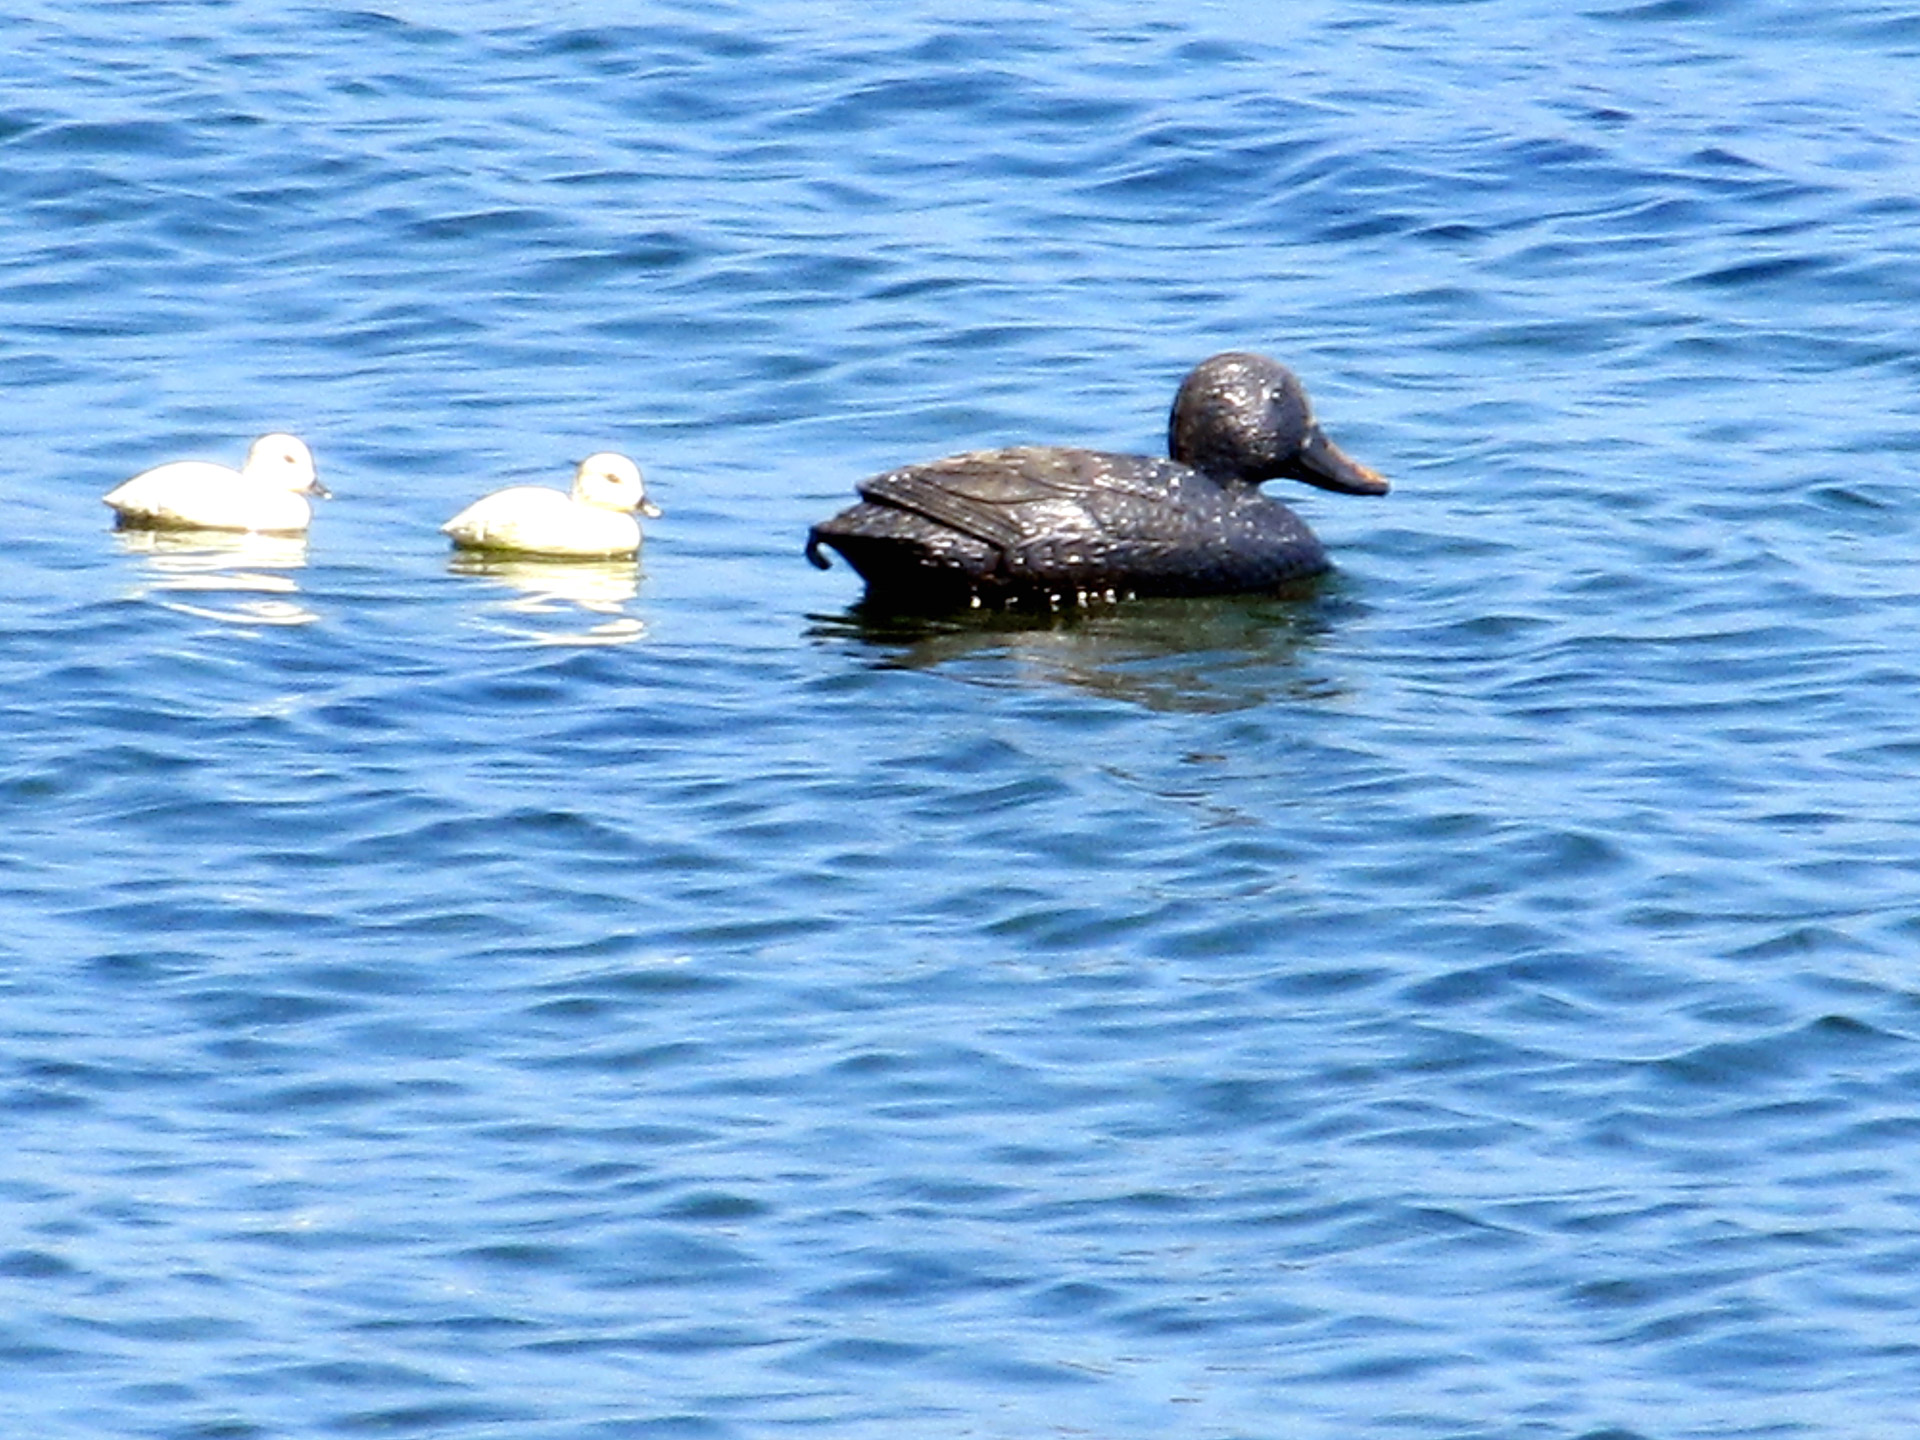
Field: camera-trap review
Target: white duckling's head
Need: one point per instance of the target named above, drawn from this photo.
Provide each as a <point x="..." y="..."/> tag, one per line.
<point x="612" y="482"/>
<point x="285" y="461"/>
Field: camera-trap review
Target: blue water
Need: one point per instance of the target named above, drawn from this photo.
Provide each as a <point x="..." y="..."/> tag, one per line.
<point x="1480" y="999"/>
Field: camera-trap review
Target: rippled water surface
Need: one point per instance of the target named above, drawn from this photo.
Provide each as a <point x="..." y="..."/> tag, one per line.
<point x="1480" y="998"/>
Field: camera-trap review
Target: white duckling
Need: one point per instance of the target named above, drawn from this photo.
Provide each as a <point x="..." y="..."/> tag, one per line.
<point x="267" y="495"/>
<point x="595" y="521"/>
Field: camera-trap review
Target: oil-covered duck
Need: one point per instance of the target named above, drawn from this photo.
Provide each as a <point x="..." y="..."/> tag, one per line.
<point x="1058" y="525"/>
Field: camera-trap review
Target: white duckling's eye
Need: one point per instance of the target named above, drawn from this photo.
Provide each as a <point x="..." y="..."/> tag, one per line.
<point x="609" y="479"/>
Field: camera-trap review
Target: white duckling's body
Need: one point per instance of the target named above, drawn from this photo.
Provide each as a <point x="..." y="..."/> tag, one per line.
<point x="267" y="495"/>
<point x="595" y="521"/>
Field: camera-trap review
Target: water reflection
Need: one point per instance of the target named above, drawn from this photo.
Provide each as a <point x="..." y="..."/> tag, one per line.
<point x="1198" y="656"/>
<point x="558" y="602"/>
<point x="221" y="575"/>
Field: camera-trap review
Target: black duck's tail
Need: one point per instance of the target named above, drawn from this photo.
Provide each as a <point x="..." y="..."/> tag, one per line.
<point x="814" y="555"/>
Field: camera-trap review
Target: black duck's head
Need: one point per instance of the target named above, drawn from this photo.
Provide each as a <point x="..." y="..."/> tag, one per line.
<point x="1243" y="418"/>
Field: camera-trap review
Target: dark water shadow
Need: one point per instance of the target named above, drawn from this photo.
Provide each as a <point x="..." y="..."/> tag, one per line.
<point x="1209" y="655"/>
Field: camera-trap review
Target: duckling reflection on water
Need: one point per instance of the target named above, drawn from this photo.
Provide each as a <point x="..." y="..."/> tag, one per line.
<point x="557" y="601"/>
<point x="1057" y="524"/>
<point x="237" y="577"/>
<point x="541" y="582"/>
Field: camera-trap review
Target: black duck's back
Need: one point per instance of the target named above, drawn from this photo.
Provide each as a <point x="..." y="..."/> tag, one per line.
<point x="1060" y="523"/>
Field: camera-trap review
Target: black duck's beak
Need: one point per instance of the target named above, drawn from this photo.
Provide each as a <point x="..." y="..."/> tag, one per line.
<point x="1320" y="462"/>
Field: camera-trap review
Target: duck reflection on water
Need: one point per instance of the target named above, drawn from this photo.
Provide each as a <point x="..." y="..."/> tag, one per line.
<point x="1199" y="656"/>
<point x="235" y="577"/>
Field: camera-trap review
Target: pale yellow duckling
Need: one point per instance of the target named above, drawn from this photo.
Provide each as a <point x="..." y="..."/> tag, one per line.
<point x="595" y="521"/>
<point x="267" y="495"/>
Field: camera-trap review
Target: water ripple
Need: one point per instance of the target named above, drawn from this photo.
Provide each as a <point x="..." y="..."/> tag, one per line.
<point x="1468" y="996"/>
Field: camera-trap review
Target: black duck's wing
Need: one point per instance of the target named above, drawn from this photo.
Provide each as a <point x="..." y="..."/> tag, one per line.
<point x="957" y="515"/>
<point x="976" y="516"/>
<point x="988" y="494"/>
<point x="1009" y="497"/>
